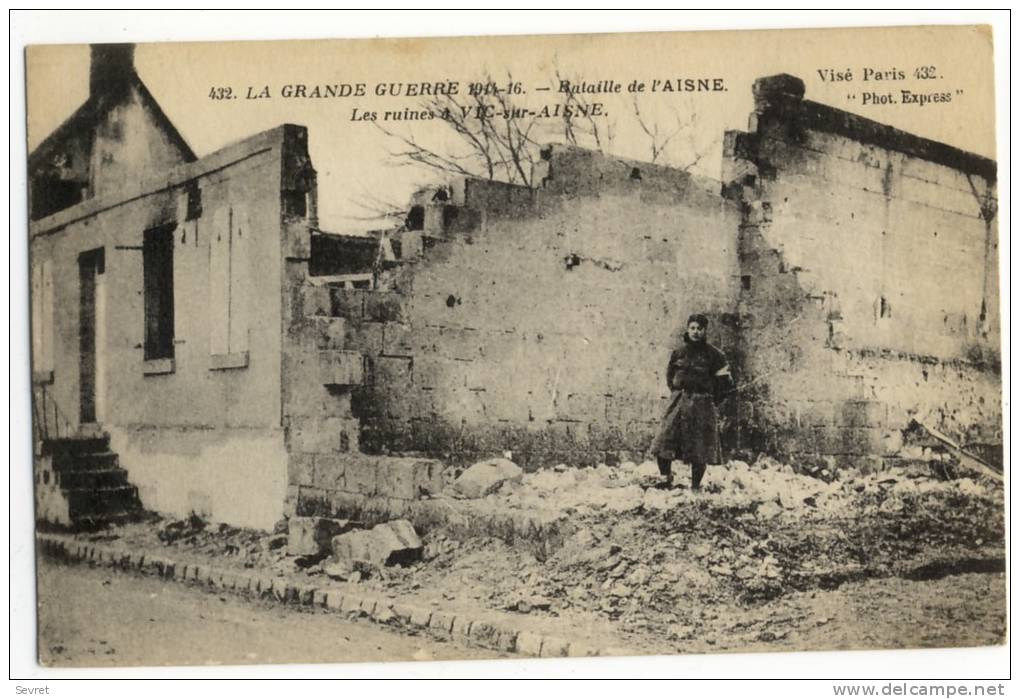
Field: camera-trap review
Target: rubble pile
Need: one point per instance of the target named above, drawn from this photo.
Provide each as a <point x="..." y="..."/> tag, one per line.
<point x="657" y="560"/>
<point x="653" y="561"/>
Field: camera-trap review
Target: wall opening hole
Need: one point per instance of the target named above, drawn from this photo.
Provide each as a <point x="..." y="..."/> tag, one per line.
<point x="416" y="218"/>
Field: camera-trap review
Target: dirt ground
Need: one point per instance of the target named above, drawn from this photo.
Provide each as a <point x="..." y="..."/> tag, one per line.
<point x="91" y="617"/>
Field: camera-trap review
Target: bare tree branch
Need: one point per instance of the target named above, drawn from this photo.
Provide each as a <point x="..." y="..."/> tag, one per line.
<point x="580" y="127"/>
<point x="376" y="208"/>
<point x="495" y="134"/>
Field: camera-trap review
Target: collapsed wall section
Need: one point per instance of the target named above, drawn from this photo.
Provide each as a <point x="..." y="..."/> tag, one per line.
<point x="869" y="286"/>
<point x="323" y="364"/>
<point x="539" y="321"/>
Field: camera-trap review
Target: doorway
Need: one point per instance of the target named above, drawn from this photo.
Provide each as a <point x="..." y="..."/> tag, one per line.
<point x="91" y="265"/>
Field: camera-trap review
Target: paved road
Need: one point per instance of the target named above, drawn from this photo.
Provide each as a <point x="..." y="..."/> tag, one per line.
<point x="99" y="617"/>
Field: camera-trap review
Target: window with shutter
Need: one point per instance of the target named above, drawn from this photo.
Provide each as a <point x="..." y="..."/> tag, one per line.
<point x="229" y="289"/>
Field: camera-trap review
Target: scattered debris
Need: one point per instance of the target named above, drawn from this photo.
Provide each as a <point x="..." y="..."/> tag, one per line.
<point x="311" y="536"/>
<point x="341" y="570"/>
<point x="966" y="459"/>
<point x="386" y="544"/>
<point x="650" y="561"/>
<point x="530" y="603"/>
<point x="278" y="541"/>
<point x="486" y="477"/>
<point x="175" y="530"/>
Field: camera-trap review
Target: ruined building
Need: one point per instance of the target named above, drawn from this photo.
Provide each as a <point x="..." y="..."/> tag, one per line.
<point x="199" y="344"/>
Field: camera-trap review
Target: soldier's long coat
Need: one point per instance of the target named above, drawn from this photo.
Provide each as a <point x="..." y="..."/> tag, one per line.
<point x="690" y="428"/>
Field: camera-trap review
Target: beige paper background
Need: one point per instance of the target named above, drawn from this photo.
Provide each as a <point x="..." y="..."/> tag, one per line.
<point x="353" y="160"/>
<point x="352" y="156"/>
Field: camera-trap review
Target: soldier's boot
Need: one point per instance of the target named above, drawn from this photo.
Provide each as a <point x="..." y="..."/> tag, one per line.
<point x="666" y="470"/>
<point x="697" y="473"/>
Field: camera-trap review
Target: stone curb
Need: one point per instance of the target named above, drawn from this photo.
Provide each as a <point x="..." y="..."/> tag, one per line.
<point x="494" y="635"/>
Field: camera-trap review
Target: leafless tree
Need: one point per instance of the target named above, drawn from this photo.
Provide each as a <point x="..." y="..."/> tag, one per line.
<point x="580" y="127"/>
<point x="375" y="208"/>
<point x="498" y="137"/>
<point x="660" y="139"/>
<point x="495" y="134"/>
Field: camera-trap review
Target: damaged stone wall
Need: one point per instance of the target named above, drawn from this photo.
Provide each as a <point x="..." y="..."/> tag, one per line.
<point x="869" y="282"/>
<point x="537" y="321"/>
<point x="322" y="365"/>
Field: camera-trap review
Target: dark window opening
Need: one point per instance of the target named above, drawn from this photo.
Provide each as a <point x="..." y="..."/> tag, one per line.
<point x="635" y="174"/>
<point x="194" y="202"/>
<point x="158" y="282"/>
<point x="450" y="214"/>
<point x="294" y="203"/>
<point x="745" y="282"/>
<point x="52" y="194"/>
<point x="342" y="254"/>
<point x="416" y="218"/>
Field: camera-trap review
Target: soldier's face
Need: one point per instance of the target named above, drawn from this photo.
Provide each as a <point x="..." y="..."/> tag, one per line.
<point x="696" y="331"/>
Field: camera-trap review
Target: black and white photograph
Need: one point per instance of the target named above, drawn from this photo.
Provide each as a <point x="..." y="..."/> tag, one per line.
<point x="566" y="346"/>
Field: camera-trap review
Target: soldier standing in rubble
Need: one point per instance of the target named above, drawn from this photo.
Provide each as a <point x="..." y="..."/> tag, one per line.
<point x="698" y="376"/>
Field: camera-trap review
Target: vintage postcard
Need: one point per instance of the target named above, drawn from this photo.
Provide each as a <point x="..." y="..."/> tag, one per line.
<point x="547" y="346"/>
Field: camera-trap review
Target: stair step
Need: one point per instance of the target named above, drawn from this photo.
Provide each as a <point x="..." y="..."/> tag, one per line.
<point x="93" y="522"/>
<point x="91" y="461"/>
<point x="93" y="479"/>
<point x="98" y="502"/>
<point x="75" y="445"/>
<point x="88" y="476"/>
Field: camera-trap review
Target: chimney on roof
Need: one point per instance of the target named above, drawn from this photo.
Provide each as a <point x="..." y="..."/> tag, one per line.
<point x="111" y="67"/>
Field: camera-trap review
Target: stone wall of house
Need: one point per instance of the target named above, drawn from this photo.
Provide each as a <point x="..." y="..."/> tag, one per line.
<point x="869" y="291"/>
<point x="200" y="431"/>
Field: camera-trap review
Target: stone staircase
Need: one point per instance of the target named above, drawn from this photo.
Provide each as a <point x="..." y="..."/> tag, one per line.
<point x="80" y="485"/>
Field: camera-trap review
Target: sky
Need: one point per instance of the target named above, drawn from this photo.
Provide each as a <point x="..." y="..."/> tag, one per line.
<point x="359" y="175"/>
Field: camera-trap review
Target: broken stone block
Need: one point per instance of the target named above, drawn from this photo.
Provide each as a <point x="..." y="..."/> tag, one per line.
<point x="312" y="536"/>
<point x="386" y="544"/>
<point x="969" y="486"/>
<point x="767" y="510"/>
<point x="408" y="479"/>
<point x="341" y="368"/>
<point x="328" y="332"/>
<point x="486" y="477"/>
<point x="361" y="476"/>
<point x="342" y="571"/>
